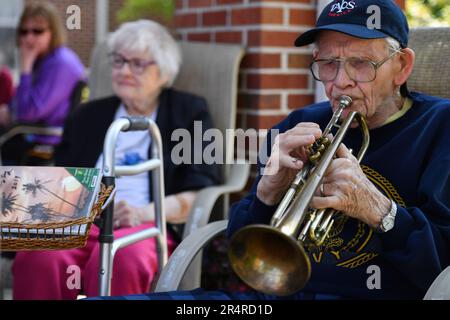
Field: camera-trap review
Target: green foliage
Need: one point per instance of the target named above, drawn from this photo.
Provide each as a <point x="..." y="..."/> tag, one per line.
<point x="423" y="13"/>
<point x="161" y="10"/>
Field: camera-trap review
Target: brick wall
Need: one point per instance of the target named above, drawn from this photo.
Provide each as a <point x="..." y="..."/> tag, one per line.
<point x="273" y="74"/>
<point x="273" y="78"/>
<point x="401" y="3"/>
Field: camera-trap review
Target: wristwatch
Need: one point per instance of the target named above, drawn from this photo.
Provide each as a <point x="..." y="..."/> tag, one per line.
<point x="388" y="221"/>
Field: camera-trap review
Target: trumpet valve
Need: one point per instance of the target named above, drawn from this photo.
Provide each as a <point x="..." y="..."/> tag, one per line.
<point x="315" y="157"/>
<point x="311" y="215"/>
<point x="317" y="148"/>
<point x="323" y="234"/>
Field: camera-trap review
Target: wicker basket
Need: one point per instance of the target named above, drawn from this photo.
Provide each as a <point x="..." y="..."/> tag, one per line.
<point x="46" y="236"/>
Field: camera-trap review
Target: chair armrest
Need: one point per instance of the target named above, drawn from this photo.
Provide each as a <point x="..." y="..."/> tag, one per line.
<point x="440" y="288"/>
<point x="24" y="129"/>
<point x="183" y="255"/>
<point x="130" y="239"/>
<point x="207" y="197"/>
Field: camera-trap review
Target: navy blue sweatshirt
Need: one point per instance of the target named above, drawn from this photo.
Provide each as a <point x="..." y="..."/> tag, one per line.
<point x="409" y="161"/>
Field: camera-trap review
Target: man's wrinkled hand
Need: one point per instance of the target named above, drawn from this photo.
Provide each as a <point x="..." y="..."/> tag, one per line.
<point x="346" y="188"/>
<point x="289" y="153"/>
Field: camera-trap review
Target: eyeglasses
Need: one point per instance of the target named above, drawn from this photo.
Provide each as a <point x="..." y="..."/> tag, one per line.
<point x="35" y="31"/>
<point x="358" y="69"/>
<point x="137" y="66"/>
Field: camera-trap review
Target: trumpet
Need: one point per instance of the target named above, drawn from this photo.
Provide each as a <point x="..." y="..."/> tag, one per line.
<point x="272" y="258"/>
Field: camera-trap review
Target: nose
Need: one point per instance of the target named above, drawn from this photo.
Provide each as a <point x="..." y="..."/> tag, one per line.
<point x="29" y="36"/>
<point x="342" y="79"/>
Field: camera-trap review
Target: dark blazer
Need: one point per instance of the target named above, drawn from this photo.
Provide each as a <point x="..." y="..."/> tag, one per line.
<point x="85" y="131"/>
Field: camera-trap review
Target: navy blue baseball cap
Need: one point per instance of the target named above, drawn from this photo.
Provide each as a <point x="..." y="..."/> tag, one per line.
<point x="366" y="19"/>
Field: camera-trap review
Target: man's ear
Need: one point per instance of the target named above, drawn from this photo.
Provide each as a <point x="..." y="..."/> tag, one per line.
<point x="406" y="60"/>
<point x="315" y="52"/>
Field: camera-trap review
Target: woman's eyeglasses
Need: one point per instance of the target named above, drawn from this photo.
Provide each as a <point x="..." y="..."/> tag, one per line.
<point x="137" y="66"/>
<point x="34" y="31"/>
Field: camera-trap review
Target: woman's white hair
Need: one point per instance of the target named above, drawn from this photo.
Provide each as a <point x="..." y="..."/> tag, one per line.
<point x="153" y="39"/>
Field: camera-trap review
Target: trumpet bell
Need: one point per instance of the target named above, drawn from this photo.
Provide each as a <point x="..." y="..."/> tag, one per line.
<point x="268" y="260"/>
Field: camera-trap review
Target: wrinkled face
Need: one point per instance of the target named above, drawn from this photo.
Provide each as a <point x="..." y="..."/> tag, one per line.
<point x="369" y="98"/>
<point x="136" y="78"/>
<point x="35" y="35"/>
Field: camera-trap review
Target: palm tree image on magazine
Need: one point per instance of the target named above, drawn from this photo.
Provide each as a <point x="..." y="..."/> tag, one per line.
<point x="35" y="195"/>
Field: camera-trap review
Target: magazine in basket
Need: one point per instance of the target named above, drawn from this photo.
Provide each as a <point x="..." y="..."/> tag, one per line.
<point x="46" y="195"/>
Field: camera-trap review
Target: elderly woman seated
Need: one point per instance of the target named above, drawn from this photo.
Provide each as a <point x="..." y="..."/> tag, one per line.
<point x="145" y="60"/>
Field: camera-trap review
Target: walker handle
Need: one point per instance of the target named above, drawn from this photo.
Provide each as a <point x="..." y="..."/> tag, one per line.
<point x="137" y="123"/>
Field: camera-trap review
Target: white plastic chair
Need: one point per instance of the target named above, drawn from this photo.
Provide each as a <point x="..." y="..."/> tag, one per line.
<point x="431" y="75"/>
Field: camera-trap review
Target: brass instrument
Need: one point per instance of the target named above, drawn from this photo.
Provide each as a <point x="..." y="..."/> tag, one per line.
<point x="272" y="259"/>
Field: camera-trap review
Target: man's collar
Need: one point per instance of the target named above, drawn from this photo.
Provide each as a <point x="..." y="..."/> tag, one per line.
<point x="407" y="104"/>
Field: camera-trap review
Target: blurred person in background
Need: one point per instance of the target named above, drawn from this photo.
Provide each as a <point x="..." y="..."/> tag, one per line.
<point x="49" y="74"/>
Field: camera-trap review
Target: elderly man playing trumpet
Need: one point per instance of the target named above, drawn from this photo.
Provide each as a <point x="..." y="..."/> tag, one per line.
<point x="391" y="231"/>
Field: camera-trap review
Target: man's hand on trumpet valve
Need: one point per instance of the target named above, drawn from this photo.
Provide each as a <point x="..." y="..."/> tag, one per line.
<point x="346" y="188"/>
<point x="287" y="157"/>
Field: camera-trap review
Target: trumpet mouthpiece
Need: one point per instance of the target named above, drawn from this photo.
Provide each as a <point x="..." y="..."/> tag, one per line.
<point x="345" y="100"/>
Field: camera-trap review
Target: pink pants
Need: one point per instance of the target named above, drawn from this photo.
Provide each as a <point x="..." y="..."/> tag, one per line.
<point x="48" y="275"/>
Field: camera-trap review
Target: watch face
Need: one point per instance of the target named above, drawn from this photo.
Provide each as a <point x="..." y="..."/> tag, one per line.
<point x="388" y="223"/>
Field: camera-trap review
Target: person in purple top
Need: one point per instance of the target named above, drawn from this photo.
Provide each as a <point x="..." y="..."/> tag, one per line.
<point x="49" y="73"/>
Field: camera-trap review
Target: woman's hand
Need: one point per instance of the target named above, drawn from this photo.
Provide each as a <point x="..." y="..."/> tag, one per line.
<point x="28" y="55"/>
<point x="126" y="215"/>
<point x="177" y="208"/>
